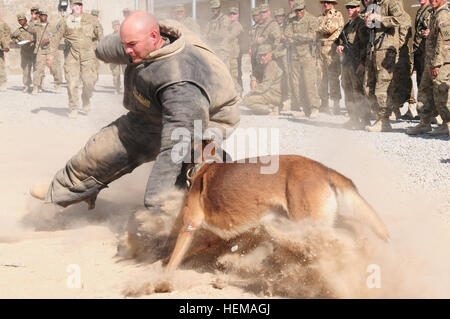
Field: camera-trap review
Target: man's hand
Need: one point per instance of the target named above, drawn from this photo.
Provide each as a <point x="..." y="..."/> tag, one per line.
<point x="5" y="49"/>
<point x="425" y="33"/>
<point x="370" y="19"/>
<point x="45" y="41"/>
<point x="340" y="49"/>
<point x="259" y="40"/>
<point x="434" y="72"/>
<point x="253" y="84"/>
<point x="360" y="69"/>
<point x="49" y="63"/>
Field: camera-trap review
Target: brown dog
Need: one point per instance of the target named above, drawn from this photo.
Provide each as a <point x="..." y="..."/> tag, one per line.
<point x="230" y="198"/>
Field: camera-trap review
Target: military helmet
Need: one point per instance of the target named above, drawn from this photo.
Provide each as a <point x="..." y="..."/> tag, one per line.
<point x="334" y="1"/>
<point x="43" y="12"/>
<point x="115" y="22"/>
<point x="255" y="12"/>
<point x="34" y="9"/>
<point x="264" y="49"/>
<point x="179" y="8"/>
<point x="264" y="7"/>
<point x="280" y="12"/>
<point x="234" y="10"/>
<point x="21" y="16"/>
<point x="214" y="4"/>
<point x="95" y="12"/>
<point x="298" y="5"/>
<point x="76" y="1"/>
<point x="352" y="3"/>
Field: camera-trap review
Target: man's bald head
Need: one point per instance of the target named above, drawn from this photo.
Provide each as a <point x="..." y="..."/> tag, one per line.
<point x="140" y="35"/>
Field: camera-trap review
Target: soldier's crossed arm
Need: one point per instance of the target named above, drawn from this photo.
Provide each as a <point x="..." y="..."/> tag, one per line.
<point x="395" y="15"/>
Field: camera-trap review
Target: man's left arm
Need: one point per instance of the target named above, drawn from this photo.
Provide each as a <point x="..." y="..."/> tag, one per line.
<point x="182" y="104"/>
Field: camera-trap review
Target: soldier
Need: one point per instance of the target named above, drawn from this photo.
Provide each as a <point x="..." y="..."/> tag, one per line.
<point x="352" y="46"/>
<point x="282" y="20"/>
<point x="234" y="34"/>
<point x="25" y="38"/>
<point x="34" y="16"/>
<point x="434" y="92"/>
<point x="44" y="32"/>
<point x="116" y="69"/>
<point x="96" y="14"/>
<point x="5" y="34"/>
<point x="256" y="74"/>
<point x="217" y="32"/>
<point x="300" y="36"/>
<point x="265" y="98"/>
<point x="269" y="31"/>
<point x="80" y="30"/>
<point x="188" y="22"/>
<point x="422" y="30"/>
<point x="382" y="57"/>
<point x="170" y="84"/>
<point x="331" y="24"/>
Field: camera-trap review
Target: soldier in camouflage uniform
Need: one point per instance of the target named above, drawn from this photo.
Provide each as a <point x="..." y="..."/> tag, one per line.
<point x="217" y="33"/>
<point x="257" y="74"/>
<point x="434" y="92"/>
<point x="234" y="34"/>
<point x="116" y="69"/>
<point x="381" y="59"/>
<point x="81" y="31"/>
<point x="265" y="98"/>
<point x="331" y="24"/>
<point x="27" y="56"/>
<point x="282" y="20"/>
<point x="352" y="46"/>
<point x="421" y="28"/>
<point x="44" y="32"/>
<point x="34" y="11"/>
<point x="188" y="22"/>
<point x="96" y="14"/>
<point x="300" y="35"/>
<point x="5" y="33"/>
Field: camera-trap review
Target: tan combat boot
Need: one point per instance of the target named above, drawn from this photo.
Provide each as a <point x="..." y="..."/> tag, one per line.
<point x="441" y="130"/>
<point x="298" y="115"/>
<point x="314" y="114"/>
<point x="423" y="127"/>
<point x="275" y="111"/>
<point x="87" y="108"/>
<point x="40" y="191"/>
<point x="35" y="90"/>
<point x="3" y="87"/>
<point x="381" y="125"/>
<point x="73" y="113"/>
<point x="26" y="89"/>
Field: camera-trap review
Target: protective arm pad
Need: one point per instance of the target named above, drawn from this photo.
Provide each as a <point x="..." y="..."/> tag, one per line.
<point x="111" y="50"/>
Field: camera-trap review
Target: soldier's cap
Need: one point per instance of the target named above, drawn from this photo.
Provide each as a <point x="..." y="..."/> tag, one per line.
<point x="214" y="4"/>
<point x="352" y="3"/>
<point x="264" y="49"/>
<point x="298" y="5"/>
<point x="255" y="12"/>
<point x="95" y="12"/>
<point x="334" y="1"/>
<point x="280" y="12"/>
<point x="76" y="2"/>
<point x="264" y="7"/>
<point x="43" y="12"/>
<point x="34" y="9"/>
<point x="234" y="10"/>
<point x="179" y="8"/>
<point x="126" y="10"/>
<point x="115" y="22"/>
<point x="21" y="16"/>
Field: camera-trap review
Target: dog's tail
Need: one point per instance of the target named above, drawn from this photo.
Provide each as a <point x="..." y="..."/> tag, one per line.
<point x="358" y="205"/>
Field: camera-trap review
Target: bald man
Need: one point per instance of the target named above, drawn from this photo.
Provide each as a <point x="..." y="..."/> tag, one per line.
<point x="171" y="80"/>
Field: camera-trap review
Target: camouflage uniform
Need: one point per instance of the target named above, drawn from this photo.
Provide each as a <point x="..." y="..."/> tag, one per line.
<point x="186" y="82"/>
<point x="267" y="95"/>
<point x="235" y="51"/>
<point x="422" y="22"/>
<point x="217" y="35"/>
<point x="257" y="72"/>
<point x="379" y="69"/>
<point x="96" y="14"/>
<point x="283" y="60"/>
<point x="188" y="22"/>
<point x="300" y="36"/>
<point x="330" y="26"/>
<point x="5" y="33"/>
<point x="354" y="39"/>
<point x="434" y="93"/>
<point x="27" y="57"/>
<point x="116" y="69"/>
<point x="44" y="33"/>
<point x="80" y="61"/>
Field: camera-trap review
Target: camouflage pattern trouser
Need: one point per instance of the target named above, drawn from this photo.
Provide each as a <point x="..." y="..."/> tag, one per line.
<point x="330" y="69"/>
<point x="234" y="71"/>
<point x="434" y="94"/>
<point x="27" y="61"/>
<point x="3" y="76"/>
<point x="285" y="81"/>
<point x="304" y="92"/>
<point x="355" y="100"/>
<point x="111" y="153"/>
<point x="262" y="103"/>
<point x="39" y="70"/>
<point x="378" y="81"/>
<point x="117" y="70"/>
<point x="76" y="72"/>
